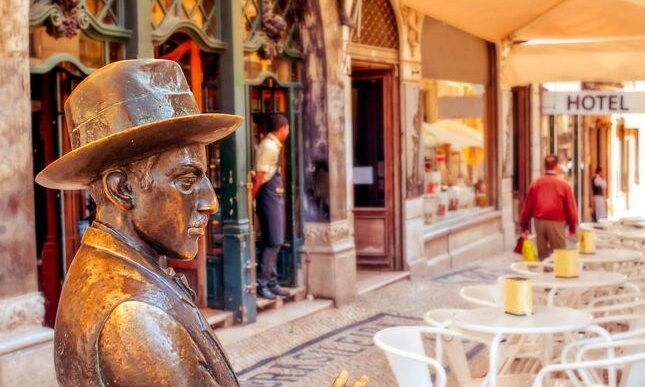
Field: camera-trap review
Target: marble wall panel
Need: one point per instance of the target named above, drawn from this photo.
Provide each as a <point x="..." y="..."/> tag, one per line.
<point x="17" y="239"/>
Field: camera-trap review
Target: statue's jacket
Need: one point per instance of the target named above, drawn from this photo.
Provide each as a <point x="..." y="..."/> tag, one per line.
<point x="123" y="321"/>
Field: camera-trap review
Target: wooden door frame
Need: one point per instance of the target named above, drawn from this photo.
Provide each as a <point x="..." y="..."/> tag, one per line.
<point x="522" y="138"/>
<point x="391" y="110"/>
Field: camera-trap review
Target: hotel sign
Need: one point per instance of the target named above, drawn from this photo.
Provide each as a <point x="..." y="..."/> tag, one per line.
<point x="592" y="102"/>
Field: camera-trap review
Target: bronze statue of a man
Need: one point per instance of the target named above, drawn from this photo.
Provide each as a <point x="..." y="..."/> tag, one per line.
<point x="139" y="147"/>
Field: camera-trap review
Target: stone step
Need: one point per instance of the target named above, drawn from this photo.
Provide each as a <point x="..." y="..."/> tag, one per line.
<point x="218" y="318"/>
<point x="295" y="295"/>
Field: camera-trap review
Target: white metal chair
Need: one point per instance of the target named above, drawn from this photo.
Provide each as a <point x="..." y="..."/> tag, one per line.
<point x="595" y="355"/>
<point x="625" y="308"/>
<point x="405" y="353"/>
<point x="409" y="362"/>
<point x="440" y="317"/>
<point x="482" y="295"/>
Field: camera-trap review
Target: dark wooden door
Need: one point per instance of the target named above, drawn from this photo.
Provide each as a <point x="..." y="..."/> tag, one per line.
<point x="61" y="216"/>
<point x="374" y="169"/>
<point x="522" y="143"/>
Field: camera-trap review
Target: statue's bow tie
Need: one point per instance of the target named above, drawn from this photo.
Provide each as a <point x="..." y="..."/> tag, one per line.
<point x="181" y="281"/>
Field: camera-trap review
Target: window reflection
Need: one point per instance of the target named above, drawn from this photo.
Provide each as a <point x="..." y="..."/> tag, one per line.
<point x="453" y="141"/>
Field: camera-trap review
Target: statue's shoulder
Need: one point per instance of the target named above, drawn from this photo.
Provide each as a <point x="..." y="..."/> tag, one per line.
<point x="141" y="342"/>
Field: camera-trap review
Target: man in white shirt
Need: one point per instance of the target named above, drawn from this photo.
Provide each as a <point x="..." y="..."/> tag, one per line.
<point x="268" y="194"/>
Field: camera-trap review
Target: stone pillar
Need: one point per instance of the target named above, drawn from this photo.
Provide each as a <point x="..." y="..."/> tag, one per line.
<point x="410" y="26"/>
<point x="26" y="348"/>
<point x="505" y="156"/>
<point x="506" y="192"/>
<point x="330" y="255"/>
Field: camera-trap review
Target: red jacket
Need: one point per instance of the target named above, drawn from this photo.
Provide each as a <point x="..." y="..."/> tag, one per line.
<point x="550" y="198"/>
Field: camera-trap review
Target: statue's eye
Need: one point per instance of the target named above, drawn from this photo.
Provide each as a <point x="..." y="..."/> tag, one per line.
<point x="186" y="182"/>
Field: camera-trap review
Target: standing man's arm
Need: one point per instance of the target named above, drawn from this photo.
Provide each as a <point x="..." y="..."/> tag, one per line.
<point x="571" y="210"/>
<point x="263" y="162"/>
<point x="258" y="180"/>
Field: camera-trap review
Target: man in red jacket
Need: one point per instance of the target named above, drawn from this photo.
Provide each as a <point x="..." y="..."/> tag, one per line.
<point x="551" y="204"/>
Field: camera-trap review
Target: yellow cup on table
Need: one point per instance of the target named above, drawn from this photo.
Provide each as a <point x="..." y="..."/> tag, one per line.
<point x="566" y="263"/>
<point x="518" y="296"/>
<point x="587" y="242"/>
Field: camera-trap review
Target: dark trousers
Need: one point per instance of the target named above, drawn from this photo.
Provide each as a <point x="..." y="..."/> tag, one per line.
<point x="270" y="210"/>
<point x="550" y="235"/>
<point x="268" y="275"/>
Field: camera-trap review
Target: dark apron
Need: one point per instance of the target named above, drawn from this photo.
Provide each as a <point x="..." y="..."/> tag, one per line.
<point x="270" y="209"/>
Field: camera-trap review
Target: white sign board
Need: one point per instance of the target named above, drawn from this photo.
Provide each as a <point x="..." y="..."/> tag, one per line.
<point x="592" y="102"/>
<point x="363" y="175"/>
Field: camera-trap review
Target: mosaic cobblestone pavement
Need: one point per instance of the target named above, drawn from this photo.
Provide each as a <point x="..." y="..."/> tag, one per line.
<point x="311" y="351"/>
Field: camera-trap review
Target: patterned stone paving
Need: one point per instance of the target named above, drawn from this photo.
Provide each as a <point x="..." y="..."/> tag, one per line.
<point x="311" y="351"/>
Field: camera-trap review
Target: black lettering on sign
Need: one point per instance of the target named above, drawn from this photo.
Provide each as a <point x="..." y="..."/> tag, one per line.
<point x="571" y="99"/>
<point x="613" y="101"/>
<point x="622" y="104"/>
<point x="601" y="101"/>
<point x="590" y="105"/>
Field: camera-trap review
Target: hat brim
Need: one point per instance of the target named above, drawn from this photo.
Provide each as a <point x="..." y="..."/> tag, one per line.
<point x="78" y="168"/>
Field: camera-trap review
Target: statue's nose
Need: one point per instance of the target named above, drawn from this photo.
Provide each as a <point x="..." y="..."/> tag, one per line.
<point x="208" y="201"/>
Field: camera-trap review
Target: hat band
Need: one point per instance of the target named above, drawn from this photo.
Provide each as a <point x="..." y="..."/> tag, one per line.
<point x="132" y="113"/>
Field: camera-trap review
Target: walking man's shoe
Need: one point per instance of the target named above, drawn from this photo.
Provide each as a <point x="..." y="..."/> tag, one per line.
<point x="278" y="291"/>
<point x="264" y="292"/>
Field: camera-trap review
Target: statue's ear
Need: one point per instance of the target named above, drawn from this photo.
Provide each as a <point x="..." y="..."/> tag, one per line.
<point x="118" y="189"/>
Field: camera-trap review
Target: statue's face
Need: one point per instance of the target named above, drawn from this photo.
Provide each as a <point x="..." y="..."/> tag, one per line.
<point x="173" y="212"/>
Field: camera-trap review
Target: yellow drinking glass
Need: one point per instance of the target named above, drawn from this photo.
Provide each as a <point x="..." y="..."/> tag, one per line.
<point x="566" y="263"/>
<point x="518" y="296"/>
<point x="587" y="242"/>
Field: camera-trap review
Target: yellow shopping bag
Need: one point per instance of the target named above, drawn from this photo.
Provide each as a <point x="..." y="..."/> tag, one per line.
<point x="529" y="253"/>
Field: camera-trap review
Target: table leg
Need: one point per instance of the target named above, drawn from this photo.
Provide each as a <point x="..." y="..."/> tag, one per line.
<point x="492" y="362"/>
<point x="550" y="301"/>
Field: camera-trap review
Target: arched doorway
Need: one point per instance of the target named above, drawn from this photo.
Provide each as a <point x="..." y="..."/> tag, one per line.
<point x="376" y="160"/>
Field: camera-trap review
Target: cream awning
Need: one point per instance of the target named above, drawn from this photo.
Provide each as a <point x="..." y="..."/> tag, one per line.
<point x="458" y="135"/>
<point x="554" y="40"/>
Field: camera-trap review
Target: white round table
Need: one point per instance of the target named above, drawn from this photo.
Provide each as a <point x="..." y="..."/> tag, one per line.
<point x="586" y="280"/>
<point x="617" y="260"/>
<point x="611" y="256"/>
<point x="545" y="320"/>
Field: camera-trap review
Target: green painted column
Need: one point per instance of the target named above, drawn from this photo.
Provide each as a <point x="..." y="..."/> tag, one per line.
<point x="239" y="286"/>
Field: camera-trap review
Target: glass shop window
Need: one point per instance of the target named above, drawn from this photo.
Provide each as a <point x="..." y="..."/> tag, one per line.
<point x="93" y="53"/>
<point x="453" y="147"/>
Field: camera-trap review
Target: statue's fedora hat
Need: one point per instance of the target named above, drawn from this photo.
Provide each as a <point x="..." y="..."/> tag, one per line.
<point x="126" y="111"/>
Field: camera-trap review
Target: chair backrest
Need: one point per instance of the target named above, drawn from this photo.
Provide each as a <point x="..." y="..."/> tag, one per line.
<point x="440" y="317"/>
<point x="403" y="347"/>
<point x="624" y="349"/>
<point x="482" y="295"/>
<point x="634" y="363"/>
